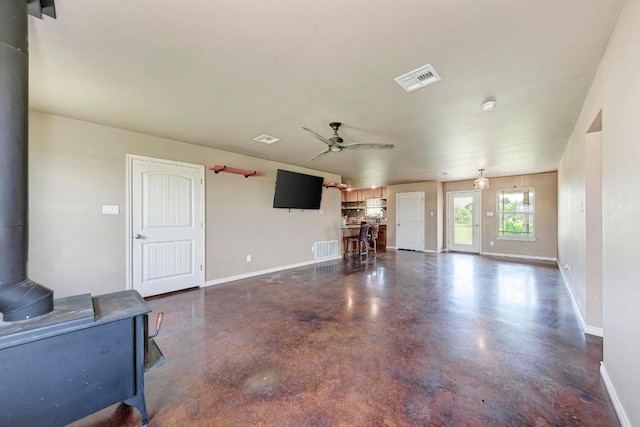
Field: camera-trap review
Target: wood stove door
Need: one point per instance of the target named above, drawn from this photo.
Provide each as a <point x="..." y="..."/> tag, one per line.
<point x="167" y="229"/>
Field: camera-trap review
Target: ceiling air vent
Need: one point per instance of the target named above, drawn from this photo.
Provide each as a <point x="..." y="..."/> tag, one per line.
<point x="418" y="78"/>
<point x="266" y="139"/>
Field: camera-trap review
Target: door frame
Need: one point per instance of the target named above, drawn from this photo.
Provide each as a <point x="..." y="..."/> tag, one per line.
<point x="422" y="196"/>
<point x="448" y="216"/>
<point x="129" y="206"/>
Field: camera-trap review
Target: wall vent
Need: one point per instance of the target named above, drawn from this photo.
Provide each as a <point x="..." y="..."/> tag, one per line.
<point x="418" y="78"/>
<point x="266" y="139"/>
<point x="328" y="249"/>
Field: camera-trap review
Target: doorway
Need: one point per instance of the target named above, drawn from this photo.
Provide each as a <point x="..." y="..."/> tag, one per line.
<point x="410" y="221"/>
<point x="165" y="225"/>
<point x="463" y="219"/>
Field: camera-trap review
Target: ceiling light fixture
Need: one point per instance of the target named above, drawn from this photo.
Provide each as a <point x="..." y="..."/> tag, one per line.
<point x="481" y="183"/>
<point x="489" y="104"/>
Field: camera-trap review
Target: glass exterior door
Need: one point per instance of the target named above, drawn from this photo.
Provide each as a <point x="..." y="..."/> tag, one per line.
<point x="464" y="221"/>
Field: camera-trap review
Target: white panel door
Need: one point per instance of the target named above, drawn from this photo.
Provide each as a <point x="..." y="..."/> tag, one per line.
<point x="463" y="218"/>
<point x="166" y="225"/>
<point x="410" y="221"/>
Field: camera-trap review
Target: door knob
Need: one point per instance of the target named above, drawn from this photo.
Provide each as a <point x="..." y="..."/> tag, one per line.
<point x="138" y="236"/>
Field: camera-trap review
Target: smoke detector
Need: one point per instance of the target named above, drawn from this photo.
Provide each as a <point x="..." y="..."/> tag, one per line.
<point x="418" y="78"/>
<point x="489" y="104"/>
<point x="266" y="139"/>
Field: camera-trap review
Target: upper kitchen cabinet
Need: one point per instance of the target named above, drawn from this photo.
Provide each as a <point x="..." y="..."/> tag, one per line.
<point x="367" y="203"/>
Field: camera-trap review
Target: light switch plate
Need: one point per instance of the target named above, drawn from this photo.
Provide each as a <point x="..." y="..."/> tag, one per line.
<point x="489" y="213"/>
<point x="110" y="210"/>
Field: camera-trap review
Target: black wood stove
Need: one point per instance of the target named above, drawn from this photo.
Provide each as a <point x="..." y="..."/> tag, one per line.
<point x="63" y="359"/>
<point x="85" y="355"/>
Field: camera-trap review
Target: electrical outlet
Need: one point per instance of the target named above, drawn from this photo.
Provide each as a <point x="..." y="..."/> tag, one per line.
<point x="313" y="249"/>
<point x="490" y="242"/>
<point x="248" y="258"/>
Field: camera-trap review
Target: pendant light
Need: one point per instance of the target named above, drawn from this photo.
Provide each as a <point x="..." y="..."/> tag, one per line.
<point x="481" y="183"/>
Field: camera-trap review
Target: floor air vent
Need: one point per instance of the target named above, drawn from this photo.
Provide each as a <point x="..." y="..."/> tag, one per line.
<point x="328" y="249"/>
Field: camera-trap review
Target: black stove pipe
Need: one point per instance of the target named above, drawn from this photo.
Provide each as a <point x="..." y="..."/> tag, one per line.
<point x="20" y="297"/>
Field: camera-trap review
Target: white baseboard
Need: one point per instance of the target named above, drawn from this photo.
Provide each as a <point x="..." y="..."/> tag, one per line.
<point x="587" y="329"/>
<point x="593" y="330"/>
<point x="428" y="251"/>
<point x="267" y="271"/>
<point x="423" y="250"/>
<point x="532" y="257"/>
<point x="622" y="416"/>
<point x="574" y="302"/>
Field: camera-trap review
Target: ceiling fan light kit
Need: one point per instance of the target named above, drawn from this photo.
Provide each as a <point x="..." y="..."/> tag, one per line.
<point x="336" y="143"/>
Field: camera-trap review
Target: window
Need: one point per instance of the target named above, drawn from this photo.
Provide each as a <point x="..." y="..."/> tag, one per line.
<point x="516" y="209"/>
<point x="374" y="208"/>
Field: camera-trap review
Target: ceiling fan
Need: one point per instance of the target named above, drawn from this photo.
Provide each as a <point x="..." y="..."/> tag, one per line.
<point x="336" y="143"/>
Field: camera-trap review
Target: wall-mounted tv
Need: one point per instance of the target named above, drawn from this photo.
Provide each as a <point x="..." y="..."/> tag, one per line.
<point x="297" y="190"/>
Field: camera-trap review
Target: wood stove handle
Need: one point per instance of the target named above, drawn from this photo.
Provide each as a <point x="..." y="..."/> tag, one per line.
<point x="158" y="324"/>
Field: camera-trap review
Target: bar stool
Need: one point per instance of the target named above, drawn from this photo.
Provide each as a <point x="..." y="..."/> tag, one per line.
<point x="361" y="239"/>
<point x="373" y="237"/>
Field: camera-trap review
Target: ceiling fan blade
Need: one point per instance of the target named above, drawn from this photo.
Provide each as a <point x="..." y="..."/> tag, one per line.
<point x="358" y="145"/>
<point x="319" y="154"/>
<point x="320" y="137"/>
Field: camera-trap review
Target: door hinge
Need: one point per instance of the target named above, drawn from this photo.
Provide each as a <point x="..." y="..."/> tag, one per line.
<point x="200" y="267"/>
<point x="201" y="181"/>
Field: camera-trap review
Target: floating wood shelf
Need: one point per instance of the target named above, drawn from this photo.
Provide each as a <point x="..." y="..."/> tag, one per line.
<point x="224" y="168"/>
<point x="334" y="185"/>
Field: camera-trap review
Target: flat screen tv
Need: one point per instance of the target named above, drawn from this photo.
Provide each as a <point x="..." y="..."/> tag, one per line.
<point x="297" y="190"/>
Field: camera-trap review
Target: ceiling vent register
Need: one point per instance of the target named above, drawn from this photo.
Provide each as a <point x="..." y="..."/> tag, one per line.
<point x="266" y="139"/>
<point x="418" y="78"/>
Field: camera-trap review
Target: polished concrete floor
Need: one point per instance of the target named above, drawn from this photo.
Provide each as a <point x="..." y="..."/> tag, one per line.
<point x="405" y="339"/>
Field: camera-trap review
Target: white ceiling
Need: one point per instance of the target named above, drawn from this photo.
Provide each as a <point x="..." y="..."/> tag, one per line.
<point x="219" y="73"/>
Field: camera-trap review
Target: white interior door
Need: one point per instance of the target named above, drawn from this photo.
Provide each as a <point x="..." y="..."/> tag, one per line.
<point x="166" y="225"/>
<point x="463" y="219"/>
<point x="410" y="221"/>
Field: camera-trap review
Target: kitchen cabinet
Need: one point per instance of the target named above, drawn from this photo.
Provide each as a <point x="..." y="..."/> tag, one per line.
<point x="382" y="237"/>
<point x="354" y="202"/>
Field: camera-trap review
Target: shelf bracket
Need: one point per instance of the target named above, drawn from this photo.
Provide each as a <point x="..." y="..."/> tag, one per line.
<point x="244" y="172"/>
<point x="335" y="185"/>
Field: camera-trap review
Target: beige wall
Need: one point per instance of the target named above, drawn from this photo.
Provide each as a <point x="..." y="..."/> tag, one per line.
<point x="432" y="224"/>
<point x="616" y="92"/>
<point x="545" y="245"/>
<point x="76" y="167"/>
<point x="571" y="221"/>
<point x="593" y="229"/>
<point x="580" y="219"/>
